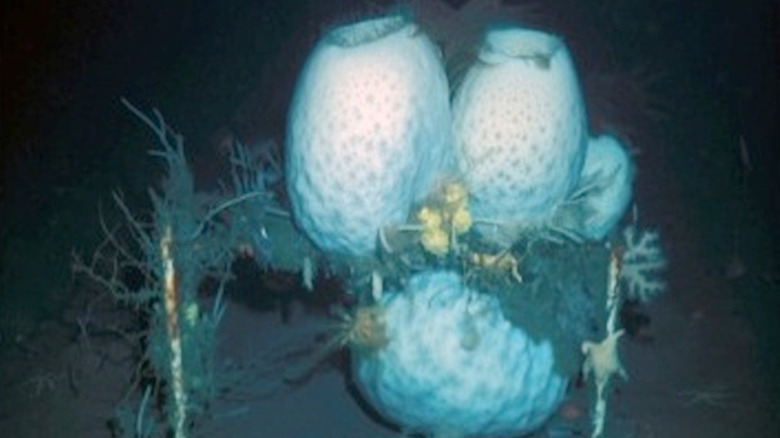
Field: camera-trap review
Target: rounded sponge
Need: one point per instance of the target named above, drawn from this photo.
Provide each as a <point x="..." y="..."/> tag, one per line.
<point x="454" y="366"/>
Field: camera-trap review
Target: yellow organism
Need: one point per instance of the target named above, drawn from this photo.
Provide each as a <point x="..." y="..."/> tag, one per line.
<point x="445" y="218"/>
<point x="503" y="261"/>
<point x="461" y="219"/>
<point x="363" y="329"/>
<point x="429" y="218"/>
<point x="435" y="241"/>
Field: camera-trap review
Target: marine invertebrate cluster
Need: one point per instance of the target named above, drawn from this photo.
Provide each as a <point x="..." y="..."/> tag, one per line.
<point x="370" y="127"/>
<point x="374" y="145"/>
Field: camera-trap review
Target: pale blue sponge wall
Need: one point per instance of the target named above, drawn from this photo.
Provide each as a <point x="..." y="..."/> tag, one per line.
<point x="454" y="361"/>
<point x="519" y="126"/>
<point x="368" y="131"/>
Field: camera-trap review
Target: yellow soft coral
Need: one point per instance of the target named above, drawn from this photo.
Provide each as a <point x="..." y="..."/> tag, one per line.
<point x="447" y="215"/>
<point x="461" y="219"/>
<point x="429" y="218"/>
<point x="435" y="241"/>
<point x="456" y="208"/>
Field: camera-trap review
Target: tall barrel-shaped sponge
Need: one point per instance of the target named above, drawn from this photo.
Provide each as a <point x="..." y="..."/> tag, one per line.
<point x="519" y="127"/>
<point x="368" y="132"/>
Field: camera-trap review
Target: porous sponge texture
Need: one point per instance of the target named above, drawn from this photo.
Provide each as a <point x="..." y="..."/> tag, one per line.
<point x="454" y="366"/>
<point x="368" y="132"/>
<point x="609" y="173"/>
<point x="519" y="126"/>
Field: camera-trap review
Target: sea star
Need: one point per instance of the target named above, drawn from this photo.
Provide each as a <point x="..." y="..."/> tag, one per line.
<point x="603" y="360"/>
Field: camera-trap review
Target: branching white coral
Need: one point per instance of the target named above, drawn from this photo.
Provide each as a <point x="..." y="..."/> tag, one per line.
<point x="643" y="260"/>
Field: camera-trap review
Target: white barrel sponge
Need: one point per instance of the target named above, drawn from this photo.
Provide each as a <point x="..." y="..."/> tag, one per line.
<point x="454" y="366"/>
<point x="519" y="126"/>
<point x="368" y="131"/>
<point x="607" y="181"/>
